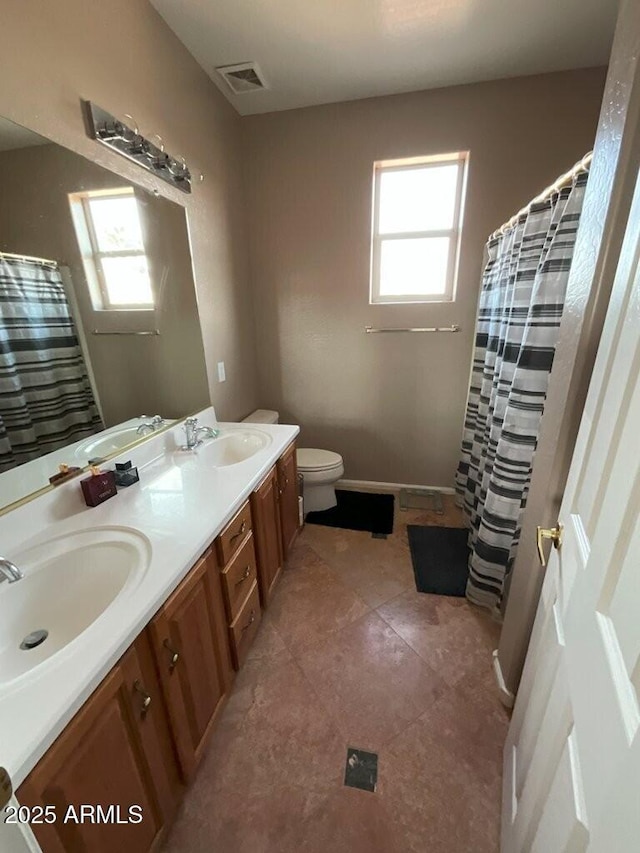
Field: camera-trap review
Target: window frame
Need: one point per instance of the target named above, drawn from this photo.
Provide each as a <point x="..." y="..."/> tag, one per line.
<point x="454" y="234"/>
<point x="94" y="254"/>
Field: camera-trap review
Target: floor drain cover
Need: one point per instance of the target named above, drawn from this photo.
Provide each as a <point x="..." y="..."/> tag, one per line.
<point x="361" y="770"/>
<point x="35" y="638"/>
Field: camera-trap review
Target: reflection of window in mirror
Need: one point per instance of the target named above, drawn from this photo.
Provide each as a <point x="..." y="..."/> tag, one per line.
<point x="107" y="225"/>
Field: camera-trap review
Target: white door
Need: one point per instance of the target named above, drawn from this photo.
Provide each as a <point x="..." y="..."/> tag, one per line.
<point x="572" y="757"/>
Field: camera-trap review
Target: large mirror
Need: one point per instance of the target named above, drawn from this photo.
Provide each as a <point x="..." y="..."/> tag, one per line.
<point x="100" y="340"/>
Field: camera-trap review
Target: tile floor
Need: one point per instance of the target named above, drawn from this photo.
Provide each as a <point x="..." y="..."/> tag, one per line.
<point x="349" y="654"/>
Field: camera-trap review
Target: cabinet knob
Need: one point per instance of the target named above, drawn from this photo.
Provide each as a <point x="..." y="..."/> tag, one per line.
<point x="175" y="657"/>
<point x="245" y="575"/>
<point x="146" y="698"/>
<point x="6" y="788"/>
<point x="252" y="619"/>
<point x="242" y="529"/>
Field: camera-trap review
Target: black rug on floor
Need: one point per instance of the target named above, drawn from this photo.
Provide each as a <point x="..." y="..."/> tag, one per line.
<point x="439" y="556"/>
<point x="358" y="511"/>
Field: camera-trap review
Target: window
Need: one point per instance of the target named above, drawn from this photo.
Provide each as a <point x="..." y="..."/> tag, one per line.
<point x="110" y="237"/>
<point x="417" y="217"/>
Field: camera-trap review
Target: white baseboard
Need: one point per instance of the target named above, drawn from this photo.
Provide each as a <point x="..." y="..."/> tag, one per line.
<point x="506" y="696"/>
<point x="374" y="486"/>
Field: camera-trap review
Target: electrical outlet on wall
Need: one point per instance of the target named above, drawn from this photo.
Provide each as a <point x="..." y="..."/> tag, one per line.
<point x="222" y="376"/>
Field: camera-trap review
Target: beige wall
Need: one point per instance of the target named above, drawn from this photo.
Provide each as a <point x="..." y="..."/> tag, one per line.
<point x="163" y="374"/>
<point x="122" y="56"/>
<point x="392" y="405"/>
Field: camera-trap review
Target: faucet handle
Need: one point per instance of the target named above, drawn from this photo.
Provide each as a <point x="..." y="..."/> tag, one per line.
<point x="191" y="422"/>
<point x="158" y="420"/>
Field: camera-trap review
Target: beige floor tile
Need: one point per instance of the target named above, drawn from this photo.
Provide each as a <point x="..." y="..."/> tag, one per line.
<point x="273" y="732"/>
<point x="351" y="821"/>
<point x="370" y="681"/>
<point x="312" y="603"/>
<point x="442" y="775"/>
<point x="410" y="680"/>
<point x="452" y="636"/>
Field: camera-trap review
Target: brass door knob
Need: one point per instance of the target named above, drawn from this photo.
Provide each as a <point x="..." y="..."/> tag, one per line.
<point x="552" y="533"/>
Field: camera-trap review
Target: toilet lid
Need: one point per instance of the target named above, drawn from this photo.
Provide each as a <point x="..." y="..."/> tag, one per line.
<point x="310" y="459"/>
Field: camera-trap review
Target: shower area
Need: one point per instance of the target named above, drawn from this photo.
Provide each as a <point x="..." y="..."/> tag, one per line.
<point x="520" y="309"/>
<point x="46" y="397"/>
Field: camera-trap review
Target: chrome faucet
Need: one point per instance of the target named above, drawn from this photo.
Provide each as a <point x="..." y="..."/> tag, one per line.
<point x="193" y="433"/>
<point x="9" y="571"/>
<point x="155" y="423"/>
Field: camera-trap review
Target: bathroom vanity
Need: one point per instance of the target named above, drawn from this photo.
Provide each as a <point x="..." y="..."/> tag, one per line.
<point x="119" y="717"/>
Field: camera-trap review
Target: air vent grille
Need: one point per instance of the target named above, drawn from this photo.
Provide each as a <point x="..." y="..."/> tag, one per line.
<point x="245" y="77"/>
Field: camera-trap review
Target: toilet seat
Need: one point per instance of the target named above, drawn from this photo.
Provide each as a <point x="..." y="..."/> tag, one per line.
<point x="312" y="460"/>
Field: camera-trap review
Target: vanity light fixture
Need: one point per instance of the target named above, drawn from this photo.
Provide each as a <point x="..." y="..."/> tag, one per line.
<point x="118" y="136"/>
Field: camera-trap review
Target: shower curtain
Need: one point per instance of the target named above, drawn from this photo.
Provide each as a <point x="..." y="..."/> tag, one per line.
<point x="46" y="399"/>
<point x="521" y="303"/>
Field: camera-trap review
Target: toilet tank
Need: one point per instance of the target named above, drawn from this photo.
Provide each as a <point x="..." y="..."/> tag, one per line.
<point x="262" y="416"/>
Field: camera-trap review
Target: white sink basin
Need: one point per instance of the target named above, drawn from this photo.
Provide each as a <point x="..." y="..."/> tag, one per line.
<point x="233" y="446"/>
<point x="106" y="445"/>
<point x="68" y="583"/>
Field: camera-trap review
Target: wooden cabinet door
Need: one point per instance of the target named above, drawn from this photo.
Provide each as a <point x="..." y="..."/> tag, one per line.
<point x="152" y="725"/>
<point x="288" y="484"/>
<point x="245" y="626"/>
<point x="99" y="761"/>
<point x="265" y="511"/>
<point x="213" y="587"/>
<point x="190" y="662"/>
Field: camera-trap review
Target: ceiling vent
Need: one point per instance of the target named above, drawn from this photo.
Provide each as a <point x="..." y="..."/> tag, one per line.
<point x="245" y="77"/>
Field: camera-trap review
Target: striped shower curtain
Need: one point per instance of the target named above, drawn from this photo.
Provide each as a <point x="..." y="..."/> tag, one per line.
<point x="46" y="399"/>
<point x="521" y="303"/>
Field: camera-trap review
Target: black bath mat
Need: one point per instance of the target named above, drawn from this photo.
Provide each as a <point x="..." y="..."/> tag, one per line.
<point x="439" y="556"/>
<point x="357" y="511"/>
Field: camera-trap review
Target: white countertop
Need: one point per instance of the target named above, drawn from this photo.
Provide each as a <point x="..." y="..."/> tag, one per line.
<point x="34" y="475"/>
<point x="180" y="505"/>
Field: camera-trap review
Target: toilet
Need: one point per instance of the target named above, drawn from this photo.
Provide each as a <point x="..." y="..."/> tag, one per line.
<point x="320" y="469"/>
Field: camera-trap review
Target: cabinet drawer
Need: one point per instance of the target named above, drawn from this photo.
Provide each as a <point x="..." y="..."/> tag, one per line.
<point x="238" y="577"/>
<point x="233" y="535"/>
<point x="244" y="627"/>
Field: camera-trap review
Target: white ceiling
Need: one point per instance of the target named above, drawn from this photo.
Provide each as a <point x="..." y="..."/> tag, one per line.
<point x="323" y="51"/>
<point x="14" y="136"/>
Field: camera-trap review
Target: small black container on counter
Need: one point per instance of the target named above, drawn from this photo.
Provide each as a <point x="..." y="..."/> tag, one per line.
<point x="125" y="474"/>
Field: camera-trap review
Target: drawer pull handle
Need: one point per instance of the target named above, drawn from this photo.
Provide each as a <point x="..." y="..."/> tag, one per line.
<point x="242" y="529"/>
<point x="252" y="619"/>
<point x="146" y="698"/>
<point x="175" y="657"/>
<point x="245" y="575"/>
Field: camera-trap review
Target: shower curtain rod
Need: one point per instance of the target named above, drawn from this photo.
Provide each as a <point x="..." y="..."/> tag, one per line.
<point x="563" y="181"/>
<point x="29" y="259"/>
